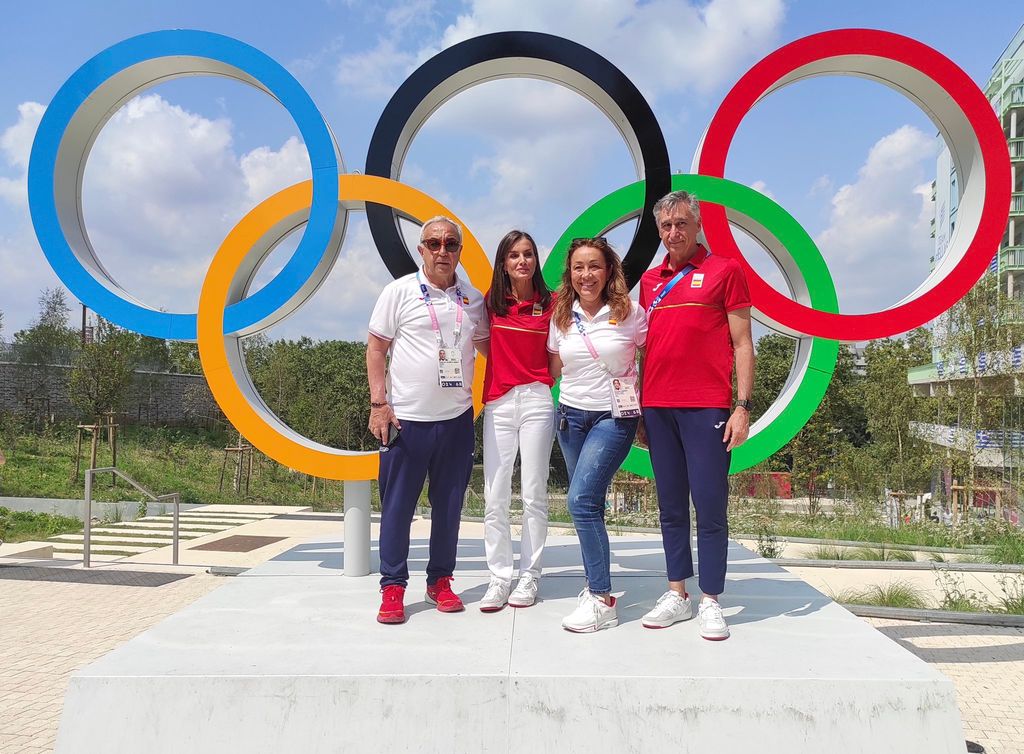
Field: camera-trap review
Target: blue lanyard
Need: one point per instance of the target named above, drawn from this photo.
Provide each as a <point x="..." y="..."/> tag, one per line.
<point x="672" y="284"/>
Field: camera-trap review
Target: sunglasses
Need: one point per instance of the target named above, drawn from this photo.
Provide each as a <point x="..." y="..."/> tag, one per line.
<point x="585" y="241"/>
<point x="435" y="245"/>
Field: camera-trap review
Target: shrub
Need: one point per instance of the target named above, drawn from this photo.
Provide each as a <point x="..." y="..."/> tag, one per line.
<point x="893" y="594"/>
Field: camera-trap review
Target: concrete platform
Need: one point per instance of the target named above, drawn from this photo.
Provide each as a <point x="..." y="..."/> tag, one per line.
<point x="288" y="657"/>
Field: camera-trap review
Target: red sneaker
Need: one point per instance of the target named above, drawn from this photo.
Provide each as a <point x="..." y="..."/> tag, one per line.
<point x="392" y="609"/>
<point x="441" y="594"/>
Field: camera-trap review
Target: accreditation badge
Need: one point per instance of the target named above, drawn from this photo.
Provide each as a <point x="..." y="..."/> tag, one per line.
<point x="449" y="367"/>
<point x="625" y="399"/>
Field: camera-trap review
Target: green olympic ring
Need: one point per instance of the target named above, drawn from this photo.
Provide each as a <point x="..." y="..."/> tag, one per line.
<point x="815" y="359"/>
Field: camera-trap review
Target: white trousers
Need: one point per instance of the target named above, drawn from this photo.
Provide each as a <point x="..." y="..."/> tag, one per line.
<point x="521" y="421"/>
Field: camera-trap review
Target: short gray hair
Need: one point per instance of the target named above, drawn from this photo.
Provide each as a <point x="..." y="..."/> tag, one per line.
<point x="442" y="219"/>
<point x="668" y="203"/>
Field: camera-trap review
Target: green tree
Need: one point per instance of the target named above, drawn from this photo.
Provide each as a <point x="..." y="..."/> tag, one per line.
<point x="903" y="461"/>
<point x="48" y="339"/>
<point x="103" y="370"/>
<point x="985" y="321"/>
<point x="184" y="357"/>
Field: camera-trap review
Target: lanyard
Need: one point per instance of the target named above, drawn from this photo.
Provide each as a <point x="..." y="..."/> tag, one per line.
<point x="672" y="284"/>
<point x="586" y="338"/>
<point x="590" y="344"/>
<point x="434" y="324"/>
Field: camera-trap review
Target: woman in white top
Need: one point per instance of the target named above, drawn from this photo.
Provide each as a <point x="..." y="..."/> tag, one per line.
<point x="593" y="340"/>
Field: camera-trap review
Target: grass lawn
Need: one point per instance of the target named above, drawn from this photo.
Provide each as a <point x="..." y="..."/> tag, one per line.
<point x="187" y="461"/>
<point x="24" y="526"/>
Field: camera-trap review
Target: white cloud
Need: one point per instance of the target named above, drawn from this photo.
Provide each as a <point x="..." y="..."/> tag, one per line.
<point x="16" y="145"/>
<point x="267" y="171"/>
<point x="762" y="188"/>
<point x="823" y="185"/>
<point x="376" y="72"/>
<point x="878" y="234"/>
<point x="663" y="45"/>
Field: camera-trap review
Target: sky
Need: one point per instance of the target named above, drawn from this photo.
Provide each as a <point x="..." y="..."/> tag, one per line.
<point x="179" y="165"/>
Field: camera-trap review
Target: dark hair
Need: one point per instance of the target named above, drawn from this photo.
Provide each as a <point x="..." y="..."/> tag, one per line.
<point x="615" y="293"/>
<point x="501" y="286"/>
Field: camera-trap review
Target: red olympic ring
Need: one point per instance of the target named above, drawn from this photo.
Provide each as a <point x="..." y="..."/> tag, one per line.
<point x="788" y="64"/>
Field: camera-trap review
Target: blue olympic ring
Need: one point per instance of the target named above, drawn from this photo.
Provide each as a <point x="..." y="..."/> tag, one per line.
<point x="85" y="102"/>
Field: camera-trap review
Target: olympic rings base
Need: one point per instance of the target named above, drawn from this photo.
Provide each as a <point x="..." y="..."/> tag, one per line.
<point x="287" y="658"/>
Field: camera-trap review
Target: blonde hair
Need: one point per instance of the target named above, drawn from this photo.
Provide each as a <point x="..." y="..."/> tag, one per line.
<point x="615" y="293"/>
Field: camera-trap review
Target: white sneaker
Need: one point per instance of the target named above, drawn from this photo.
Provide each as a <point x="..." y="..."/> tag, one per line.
<point x="525" y="593"/>
<point x="591" y="614"/>
<point x="670" y="608"/>
<point x="712" y="623"/>
<point x="496" y="596"/>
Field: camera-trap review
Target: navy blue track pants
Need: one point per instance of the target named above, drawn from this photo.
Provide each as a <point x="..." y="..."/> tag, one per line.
<point x="690" y="460"/>
<point x="442" y="450"/>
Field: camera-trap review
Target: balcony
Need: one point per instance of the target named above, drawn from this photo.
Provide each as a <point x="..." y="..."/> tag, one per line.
<point x="1016" y="149"/>
<point x="1014" y="97"/>
<point x="1011" y="259"/>
<point x="1017" y="203"/>
<point x="1013" y="311"/>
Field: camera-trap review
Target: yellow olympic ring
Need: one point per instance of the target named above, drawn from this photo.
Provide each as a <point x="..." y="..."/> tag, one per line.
<point x="221" y="355"/>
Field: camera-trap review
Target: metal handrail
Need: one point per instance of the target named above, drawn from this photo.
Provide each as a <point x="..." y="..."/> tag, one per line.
<point x="174" y="497"/>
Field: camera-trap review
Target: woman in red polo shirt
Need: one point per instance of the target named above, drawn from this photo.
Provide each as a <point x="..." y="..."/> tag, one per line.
<point x="518" y="417"/>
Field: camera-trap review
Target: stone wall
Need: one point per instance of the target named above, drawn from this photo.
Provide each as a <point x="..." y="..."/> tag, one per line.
<point x="154" y="397"/>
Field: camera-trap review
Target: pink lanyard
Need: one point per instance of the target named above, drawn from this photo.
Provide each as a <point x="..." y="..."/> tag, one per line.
<point x="586" y="338"/>
<point x="590" y="346"/>
<point x="434" y="324"/>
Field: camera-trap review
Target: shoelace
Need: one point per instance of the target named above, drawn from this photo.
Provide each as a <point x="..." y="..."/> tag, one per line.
<point x="665" y="598"/>
<point x="526" y="582"/>
<point x="714" y="609"/>
<point x="494" y="589"/>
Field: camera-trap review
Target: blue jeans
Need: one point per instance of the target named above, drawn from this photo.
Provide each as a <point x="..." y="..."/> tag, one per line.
<point x="595" y="444"/>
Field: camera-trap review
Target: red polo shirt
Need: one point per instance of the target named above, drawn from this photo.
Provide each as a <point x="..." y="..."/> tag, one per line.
<point x="689" y="356"/>
<point x="519" y="353"/>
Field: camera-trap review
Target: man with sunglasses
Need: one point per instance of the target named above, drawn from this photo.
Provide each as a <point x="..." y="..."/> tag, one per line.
<point x="423" y="333"/>
<point x="698" y="315"/>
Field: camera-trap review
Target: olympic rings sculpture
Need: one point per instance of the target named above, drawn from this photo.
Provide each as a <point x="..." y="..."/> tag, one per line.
<point x="227" y="311"/>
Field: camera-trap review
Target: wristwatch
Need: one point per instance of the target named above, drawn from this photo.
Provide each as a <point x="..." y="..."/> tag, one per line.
<point x="378" y="405"/>
<point x="744" y="403"/>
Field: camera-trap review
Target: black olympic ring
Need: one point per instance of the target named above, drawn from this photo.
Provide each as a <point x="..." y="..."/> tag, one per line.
<point x="535" y="55"/>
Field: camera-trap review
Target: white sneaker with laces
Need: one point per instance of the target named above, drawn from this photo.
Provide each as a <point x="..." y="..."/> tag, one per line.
<point x="525" y="593"/>
<point x="496" y="597"/>
<point x="591" y="614"/>
<point x="670" y="608"/>
<point x="712" y="623"/>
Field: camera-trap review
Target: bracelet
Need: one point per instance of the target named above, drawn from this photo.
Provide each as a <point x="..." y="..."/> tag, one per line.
<point x="378" y="405"/>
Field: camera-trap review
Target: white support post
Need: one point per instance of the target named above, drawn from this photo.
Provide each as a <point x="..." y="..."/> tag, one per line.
<point x="357" y="528"/>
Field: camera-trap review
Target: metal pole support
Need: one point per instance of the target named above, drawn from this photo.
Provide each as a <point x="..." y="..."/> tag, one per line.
<point x="86" y="540"/>
<point x="177" y="504"/>
<point x="357" y="528"/>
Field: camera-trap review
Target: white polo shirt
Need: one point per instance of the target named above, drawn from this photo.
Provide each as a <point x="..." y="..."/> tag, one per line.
<point x="401" y="316"/>
<point x="585" y="383"/>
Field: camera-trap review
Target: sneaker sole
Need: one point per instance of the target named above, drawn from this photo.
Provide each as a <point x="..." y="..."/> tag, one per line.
<point x="592" y="629"/>
<point x="496" y="609"/>
<point x="521" y="605"/>
<point x="390" y="621"/>
<point x="714" y="638"/>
